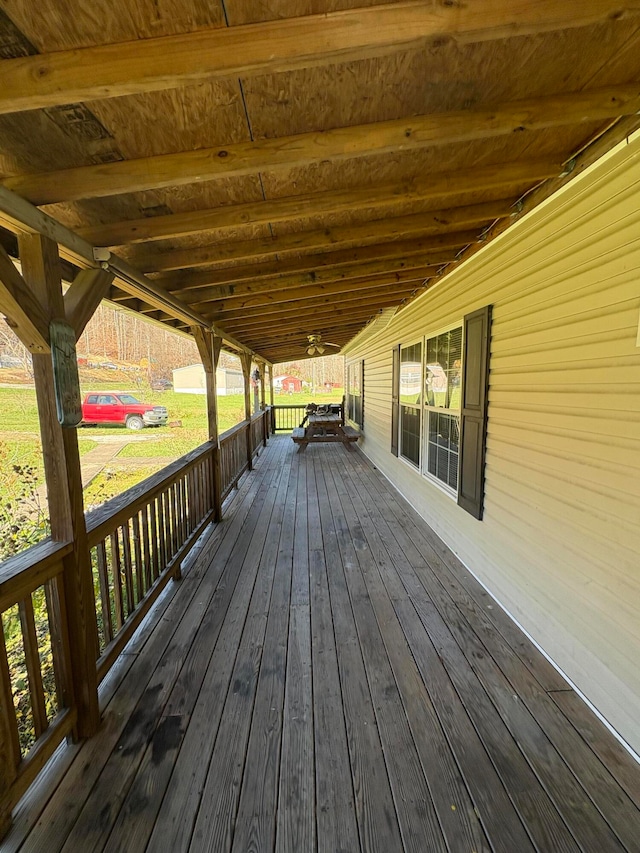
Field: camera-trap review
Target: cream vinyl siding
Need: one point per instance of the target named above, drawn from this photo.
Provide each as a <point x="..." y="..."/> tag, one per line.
<point x="559" y="545"/>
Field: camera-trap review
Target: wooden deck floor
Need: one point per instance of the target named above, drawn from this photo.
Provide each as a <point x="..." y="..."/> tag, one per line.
<point x="327" y="677"/>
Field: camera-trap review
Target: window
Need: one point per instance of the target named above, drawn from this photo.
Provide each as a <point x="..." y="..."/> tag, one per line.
<point x="355" y="393"/>
<point x="442" y="399"/>
<point x="439" y="407"/>
<point x="410" y="402"/>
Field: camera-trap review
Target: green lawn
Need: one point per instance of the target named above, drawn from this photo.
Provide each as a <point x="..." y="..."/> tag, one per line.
<point x="23" y="513"/>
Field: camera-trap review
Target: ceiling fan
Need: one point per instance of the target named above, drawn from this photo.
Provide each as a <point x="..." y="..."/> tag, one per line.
<point x="316" y="346"/>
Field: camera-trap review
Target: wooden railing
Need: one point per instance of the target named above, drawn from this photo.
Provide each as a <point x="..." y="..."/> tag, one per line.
<point x="258" y="432"/>
<point x="287" y="418"/>
<point x="36" y="706"/>
<point x="137" y="543"/>
<point x="233" y="457"/>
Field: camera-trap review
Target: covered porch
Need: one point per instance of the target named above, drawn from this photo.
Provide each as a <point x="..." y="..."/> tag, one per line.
<point x="327" y="676"/>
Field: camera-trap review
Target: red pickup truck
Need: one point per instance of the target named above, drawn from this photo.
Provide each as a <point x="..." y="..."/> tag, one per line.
<point x="115" y="407"/>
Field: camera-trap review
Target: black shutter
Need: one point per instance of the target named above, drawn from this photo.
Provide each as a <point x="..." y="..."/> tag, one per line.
<point x="395" y="400"/>
<point x="473" y="426"/>
<point x="362" y="395"/>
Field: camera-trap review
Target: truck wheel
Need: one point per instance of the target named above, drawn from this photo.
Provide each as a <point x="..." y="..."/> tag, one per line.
<point x="135" y="422"/>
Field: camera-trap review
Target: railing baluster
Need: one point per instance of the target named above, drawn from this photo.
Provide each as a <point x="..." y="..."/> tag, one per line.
<point x="117" y="579"/>
<point x="146" y="548"/>
<point x="137" y="551"/>
<point x="101" y="554"/>
<point x="128" y="570"/>
<point x="155" y="540"/>
<point x="34" y="668"/>
<point x="9" y="737"/>
<point x="60" y="649"/>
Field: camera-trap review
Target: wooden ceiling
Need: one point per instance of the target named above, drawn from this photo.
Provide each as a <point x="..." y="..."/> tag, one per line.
<point x="299" y="166"/>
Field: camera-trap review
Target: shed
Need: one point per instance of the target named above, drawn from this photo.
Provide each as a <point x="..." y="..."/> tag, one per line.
<point x="192" y="380"/>
<point x="288" y="384"/>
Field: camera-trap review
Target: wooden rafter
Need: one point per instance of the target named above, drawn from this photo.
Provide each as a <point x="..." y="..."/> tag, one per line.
<point x="163" y="63"/>
<point x="245" y="158"/>
<point x="315" y="303"/>
<point x="346" y="309"/>
<point x="199" y="286"/>
<point x="270" y="296"/>
<point x="437" y="186"/>
<point x="418" y="226"/>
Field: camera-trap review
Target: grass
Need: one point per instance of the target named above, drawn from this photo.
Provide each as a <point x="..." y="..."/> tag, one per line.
<point x="20" y="436"/>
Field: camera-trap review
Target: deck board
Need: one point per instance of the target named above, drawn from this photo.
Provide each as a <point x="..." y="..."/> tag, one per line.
<point x="327" y="677"/>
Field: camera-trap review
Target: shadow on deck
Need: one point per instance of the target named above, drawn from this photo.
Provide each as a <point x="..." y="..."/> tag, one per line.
<point x="327" y="677"/>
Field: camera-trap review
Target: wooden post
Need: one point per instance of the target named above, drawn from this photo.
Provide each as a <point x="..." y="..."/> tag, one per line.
<point x="209" y="346"/>
<point x="271" y="385"/>
<point x="245" y="359"/>
<point x="263" y="405"/>
<point x="41" y="271"/>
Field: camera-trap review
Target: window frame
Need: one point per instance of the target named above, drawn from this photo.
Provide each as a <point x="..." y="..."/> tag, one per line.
<point x="426" y="408"/>
<point x="355" y="369"/>
<point x="417" y="406"/>
<point x="475" y="378"/>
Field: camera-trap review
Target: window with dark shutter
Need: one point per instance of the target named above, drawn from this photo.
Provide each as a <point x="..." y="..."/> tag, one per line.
<point x="473" y="427"/>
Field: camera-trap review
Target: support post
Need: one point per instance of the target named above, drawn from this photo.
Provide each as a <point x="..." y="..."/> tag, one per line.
<point x="245" y="359"/>
<point x="271" y="385"/>
<point x="209" y="346"/>
<point x="41" y="271"/>
<point x="263" y="406"/>
<point x="273" y="411"/>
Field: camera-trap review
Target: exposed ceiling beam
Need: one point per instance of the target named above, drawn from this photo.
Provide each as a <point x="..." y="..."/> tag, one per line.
<point x="312" y="303"/>
<point x="329" y="312"/>
<point x="308" y="291"/>
<point x="282" y="338"/>
<point x="245" y="158"/>
<point x="418" y="226"/>
<point x="439" y="246"/>
<point x="295" y="341"/>
<point x="299" y="273"/>
<point x="147" y="65"/>
<point x="483" y="179"/>
<point x="265" y="293"/>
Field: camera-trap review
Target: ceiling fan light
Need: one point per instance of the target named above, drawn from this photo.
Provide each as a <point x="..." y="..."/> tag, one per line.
<point x="320" y="349"/>
<point x="311" y="350"/>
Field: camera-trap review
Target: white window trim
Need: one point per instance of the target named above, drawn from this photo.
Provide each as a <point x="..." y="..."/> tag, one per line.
<point x="420" y="469"/>
<point x="420" y="408"/>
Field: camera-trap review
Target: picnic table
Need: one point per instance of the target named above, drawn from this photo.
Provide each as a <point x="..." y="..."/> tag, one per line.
<point x="324" y="427"/>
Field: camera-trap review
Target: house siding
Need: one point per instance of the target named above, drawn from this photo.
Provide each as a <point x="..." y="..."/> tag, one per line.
<point x="559" y="545"/>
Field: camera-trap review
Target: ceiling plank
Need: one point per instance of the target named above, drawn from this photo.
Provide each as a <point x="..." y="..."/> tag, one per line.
<point x="147" y="65"/>
<point x="420" y="225"/>
<point x="445" y="184"/>
<point x="245" y="158"/>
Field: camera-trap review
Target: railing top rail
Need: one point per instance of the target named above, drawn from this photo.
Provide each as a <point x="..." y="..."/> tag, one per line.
<point x="102" y="520"/>
<point x="21" y="574"/>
